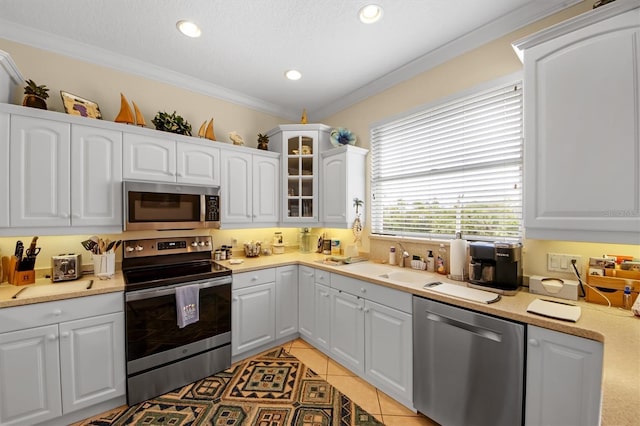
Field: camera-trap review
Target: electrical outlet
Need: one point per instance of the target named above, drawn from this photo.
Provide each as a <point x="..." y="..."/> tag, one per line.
<point x="562" y="262"/>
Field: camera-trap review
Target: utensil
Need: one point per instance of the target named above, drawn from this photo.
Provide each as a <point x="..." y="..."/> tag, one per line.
<point x="90" y="285"/>
<point x="117" y="245"/>
<point x="15" y="296"/>
<point x="110" y="246"/>
<point x="19" y="250"/>
<point x="32" y="247"/>
<point x="88" y="245"/>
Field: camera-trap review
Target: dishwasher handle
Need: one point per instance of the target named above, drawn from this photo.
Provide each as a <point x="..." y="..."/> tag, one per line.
<point x="479" y="331"/>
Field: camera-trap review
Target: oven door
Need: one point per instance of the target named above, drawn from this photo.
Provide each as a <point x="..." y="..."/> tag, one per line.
<point x="153" y="337"/>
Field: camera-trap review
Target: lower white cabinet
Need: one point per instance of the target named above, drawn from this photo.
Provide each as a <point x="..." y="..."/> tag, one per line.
<point x="306" y="299"/>
<point x="57" y="358"/>
<point x="265" y="307"/>
<point x="286" y="301"/>
<point x="347" y="330"/>
<point x="564" y="378"/>
<point x="322" y="316"/>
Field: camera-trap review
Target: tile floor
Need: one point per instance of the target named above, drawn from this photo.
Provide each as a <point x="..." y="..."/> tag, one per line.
<point x="384" y="408"/>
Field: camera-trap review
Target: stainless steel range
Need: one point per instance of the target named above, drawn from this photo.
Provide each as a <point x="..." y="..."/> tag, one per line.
<point x="161" y="356"/>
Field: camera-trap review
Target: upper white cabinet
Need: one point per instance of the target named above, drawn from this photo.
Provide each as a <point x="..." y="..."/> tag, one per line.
<point x="164" y="160"/>
<point x="299" y="145"/>
<point x="96" y="176"/>
<point x="249" y="189"/>
<point x="64" y="174"/>
<point x="4" y="169"/>
<point x="564" y="379"/>
<point x="343" y="176"/>
<point x="582" y="115"/>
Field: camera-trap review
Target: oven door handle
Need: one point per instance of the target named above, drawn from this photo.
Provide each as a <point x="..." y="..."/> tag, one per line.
<point x="150" y="293"/>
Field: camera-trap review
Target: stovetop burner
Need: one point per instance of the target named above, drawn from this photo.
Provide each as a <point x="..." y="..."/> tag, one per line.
<point x="166" y="261"/>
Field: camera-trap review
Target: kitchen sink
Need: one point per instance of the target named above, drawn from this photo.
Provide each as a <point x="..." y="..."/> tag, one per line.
<point x="367" y="268"/>
<point x="406" y="277"/>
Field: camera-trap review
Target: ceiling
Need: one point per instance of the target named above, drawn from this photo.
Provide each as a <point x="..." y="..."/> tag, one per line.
<point x="247" y="45"/>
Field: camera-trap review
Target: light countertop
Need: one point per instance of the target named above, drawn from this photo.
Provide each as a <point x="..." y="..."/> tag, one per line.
<point x="618" y="329"/>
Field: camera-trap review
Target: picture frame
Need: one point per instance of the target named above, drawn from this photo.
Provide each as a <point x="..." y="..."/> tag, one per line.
<point x="75" y="105"/>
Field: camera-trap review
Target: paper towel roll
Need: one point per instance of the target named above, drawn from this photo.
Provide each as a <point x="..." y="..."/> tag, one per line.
<point x="458" y="259"/>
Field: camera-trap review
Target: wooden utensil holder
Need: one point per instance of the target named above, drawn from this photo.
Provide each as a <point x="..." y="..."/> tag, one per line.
<point x="612" y="287"/>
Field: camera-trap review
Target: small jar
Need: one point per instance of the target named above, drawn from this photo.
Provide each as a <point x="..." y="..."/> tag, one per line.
<point x="228" y="252"/>
<point x="223" y="253"/>
<point x="392" y="255"/>
<point x="216" y="254"/>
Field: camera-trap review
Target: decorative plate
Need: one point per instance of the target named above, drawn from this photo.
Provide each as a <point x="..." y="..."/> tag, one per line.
<point x="341" y="137"/>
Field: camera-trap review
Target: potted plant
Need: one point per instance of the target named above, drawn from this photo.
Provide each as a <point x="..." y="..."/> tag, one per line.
<point x="35" y="96"/>
<point x="263" y="141"/>
<point x="171" y="123"/>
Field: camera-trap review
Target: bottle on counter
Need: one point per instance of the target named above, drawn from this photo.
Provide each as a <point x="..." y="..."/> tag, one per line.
<point x="440" y="266"/>
<point x="431" y="262"/>
<point x="392" y="255"/>
<point x="626" y="297"/>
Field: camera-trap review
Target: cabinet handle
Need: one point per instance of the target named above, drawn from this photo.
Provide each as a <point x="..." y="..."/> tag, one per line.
<point x="57" y="312"/>
<point x="366" y="310"/>
<point x="51" y="337"/>
<point x="363" y="290"/>
<point x="64" y="215"/>
<point x="254" y="278"/>
<point x="75" y="216"/>
<point x="534" y="342"/>
<point x="235" y="298"/>
<point x="64" y="334"/>
<point x="360" y="308"/>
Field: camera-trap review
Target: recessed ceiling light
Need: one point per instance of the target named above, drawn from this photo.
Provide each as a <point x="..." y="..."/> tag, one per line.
<point x="370" y="13"/>
<point x="293" y="75"/>
<point x="188" y="28"/>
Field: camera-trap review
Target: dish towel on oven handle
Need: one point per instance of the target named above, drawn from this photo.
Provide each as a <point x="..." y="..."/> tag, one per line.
<point x="187" y="305"/>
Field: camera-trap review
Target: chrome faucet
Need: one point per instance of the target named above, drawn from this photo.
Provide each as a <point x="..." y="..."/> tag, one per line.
<point x="403" y="255"/>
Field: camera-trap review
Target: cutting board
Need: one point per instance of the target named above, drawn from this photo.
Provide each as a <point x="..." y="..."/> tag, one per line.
<point x="455" y="290"/>
<point x="553" y="309"/>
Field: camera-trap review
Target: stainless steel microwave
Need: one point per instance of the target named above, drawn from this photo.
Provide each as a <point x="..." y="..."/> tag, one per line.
<point x="168" y="206"/>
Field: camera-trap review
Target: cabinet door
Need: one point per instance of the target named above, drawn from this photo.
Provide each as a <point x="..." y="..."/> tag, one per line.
<point x="92" y="360"/>
<point x="347" y="330"/>
<point x="564" y="378"/>
<point x="286" y="301"/>
<point x="582" y="134"/>
<point x="266" y="191"/>
<point x="198" y="164"/>
<point x="306" y="304"/>
<point x="334" y="189"/>
<point x="388" y="351"/>
<point x="40" y="172"/>
<point x="236" y="195"/>
<point x="322" y="311"/>
<point x="30" y="372"/>
<point x="147" y="158"/>
<point x="4" y="169"/>
<point x="300" y="168"/>
<point x="253" y="317"/>
<point x="96" y="187"/>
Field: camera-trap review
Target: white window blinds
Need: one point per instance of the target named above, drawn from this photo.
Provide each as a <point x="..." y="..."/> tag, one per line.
<point x="453" y="167"/>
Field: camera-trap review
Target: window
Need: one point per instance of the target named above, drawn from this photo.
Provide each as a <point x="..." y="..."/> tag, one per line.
<point x="456" y="166"/>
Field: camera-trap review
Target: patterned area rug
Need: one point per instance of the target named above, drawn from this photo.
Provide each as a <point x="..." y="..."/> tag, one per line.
<point x="272" y="389"/>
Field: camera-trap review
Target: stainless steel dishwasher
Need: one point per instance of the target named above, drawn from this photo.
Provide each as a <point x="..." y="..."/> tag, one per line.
<point x="468" y="367"/>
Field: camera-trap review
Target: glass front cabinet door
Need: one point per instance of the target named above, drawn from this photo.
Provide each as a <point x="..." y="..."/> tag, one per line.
<point x="299" y="146"/>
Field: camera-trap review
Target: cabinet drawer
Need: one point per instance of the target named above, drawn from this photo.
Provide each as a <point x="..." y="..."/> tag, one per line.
<point x="385" y="296"/>
<point x="323" y="277"/>
<point x="39" y="314"/>
<point x="248" y="279"/>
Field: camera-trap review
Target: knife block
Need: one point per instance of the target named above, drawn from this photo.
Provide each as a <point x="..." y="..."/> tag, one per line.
<point x="24" y="277"/>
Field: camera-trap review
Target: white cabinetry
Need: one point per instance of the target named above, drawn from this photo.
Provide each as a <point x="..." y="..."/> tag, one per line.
<point x="582" y="114"/>
<point x="299" y="145"/>
<point x="371" y="334"/>
<point x="64" y="174"/>
<point x="4" y="169"/>
<point x="306" y="305"/>
<point x="152" y="158"/>
<point x="249" y="189"/>
<point x="286" y="301"/>
<point x="62" y="361"/>
<point x="322" y="317"/>
<point x="253" y="310"/>
<point x="564" y="377"/>
<point x="343" y="175"/>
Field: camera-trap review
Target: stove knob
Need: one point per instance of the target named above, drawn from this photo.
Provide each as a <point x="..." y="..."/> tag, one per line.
<point x="201" y="243"/>
<point x="194" y="244"/>
<point x="129" y="249"/>
<point x="206" y="243"/>
<point x="139" y="248"/>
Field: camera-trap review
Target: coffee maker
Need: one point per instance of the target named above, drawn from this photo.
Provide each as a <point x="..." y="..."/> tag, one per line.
<point x="495" y="266"/>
